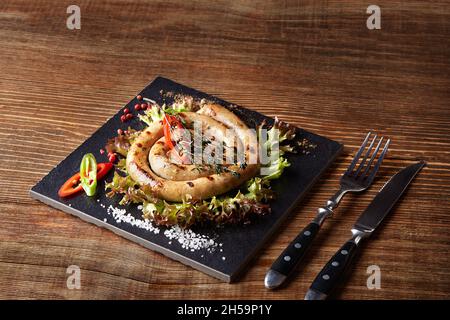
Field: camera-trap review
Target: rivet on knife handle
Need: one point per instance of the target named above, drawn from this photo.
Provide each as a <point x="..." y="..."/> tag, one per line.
<point x="332" y="272"/>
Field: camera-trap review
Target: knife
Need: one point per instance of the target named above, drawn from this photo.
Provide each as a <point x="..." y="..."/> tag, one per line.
<point x="366" y="224"/>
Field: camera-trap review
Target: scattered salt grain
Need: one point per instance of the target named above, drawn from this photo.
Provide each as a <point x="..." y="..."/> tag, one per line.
<point x="190" y="240"/>
<point x="120" y="215"/>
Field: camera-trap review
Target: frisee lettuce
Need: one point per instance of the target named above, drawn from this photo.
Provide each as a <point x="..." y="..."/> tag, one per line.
<point x="122" y="142"/>
<point x="156" y="113"/>
<point x="277" y="136"/>
<point x="276" y="168"/>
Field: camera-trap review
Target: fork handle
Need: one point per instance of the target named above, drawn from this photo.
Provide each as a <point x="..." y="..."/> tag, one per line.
<point x="291" y="257"/>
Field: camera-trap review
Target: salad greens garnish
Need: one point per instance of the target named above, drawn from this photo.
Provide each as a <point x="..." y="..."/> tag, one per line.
<point x="157" y="113"/>
<point x="276" y="138"/>
<point x="122" y="142"/>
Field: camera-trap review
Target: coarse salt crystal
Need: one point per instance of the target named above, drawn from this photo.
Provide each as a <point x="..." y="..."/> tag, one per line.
<point x="121" y="215"/>
<point x="190" y="240"/>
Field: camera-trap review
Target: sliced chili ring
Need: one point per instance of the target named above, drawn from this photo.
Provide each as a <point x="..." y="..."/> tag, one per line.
<point x="170" y="122"/>
<point x="73" y="184"/>
<point x="88" y="174"/>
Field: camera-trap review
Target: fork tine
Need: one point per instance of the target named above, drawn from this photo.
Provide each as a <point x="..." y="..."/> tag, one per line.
<point x="358" y="154"/>
<point x="369" y="149"/>
<point x="380" y="160"/>
<point x="373" y="157"/>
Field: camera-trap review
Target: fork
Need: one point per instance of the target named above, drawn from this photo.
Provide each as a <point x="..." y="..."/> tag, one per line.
<point x="357" y="178"/>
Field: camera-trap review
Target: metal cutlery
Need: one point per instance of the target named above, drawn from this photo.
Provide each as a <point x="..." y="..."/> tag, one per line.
<point x="358" y="177"/>
<point x="366" y="224"/>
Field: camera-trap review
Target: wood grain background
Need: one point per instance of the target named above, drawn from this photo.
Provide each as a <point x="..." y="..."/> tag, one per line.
<point x="312" y="63"/>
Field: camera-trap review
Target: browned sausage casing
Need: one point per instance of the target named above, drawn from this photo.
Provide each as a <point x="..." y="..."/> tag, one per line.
<point x="205" y="187"/>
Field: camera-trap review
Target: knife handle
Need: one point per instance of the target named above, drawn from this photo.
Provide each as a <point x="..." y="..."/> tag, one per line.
<point x="333" y="272"/>
<point x="293" y="254"/>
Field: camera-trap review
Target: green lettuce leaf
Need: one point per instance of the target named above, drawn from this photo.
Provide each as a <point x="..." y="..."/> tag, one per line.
<point x="130" y="191"/>
<point x="156" y="113"/>
<point x="276" y="168"/>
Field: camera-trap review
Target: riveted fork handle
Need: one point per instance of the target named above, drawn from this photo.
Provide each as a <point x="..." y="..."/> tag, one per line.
<point x="291" y="257"/>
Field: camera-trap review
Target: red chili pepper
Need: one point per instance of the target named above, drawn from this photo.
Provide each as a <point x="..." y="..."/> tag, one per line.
<point x="112" y="158"/>
<point x="73" y="184"/>
<point x="170" y="122"/>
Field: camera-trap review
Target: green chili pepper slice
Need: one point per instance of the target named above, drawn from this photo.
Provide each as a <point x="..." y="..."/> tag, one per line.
<point x="88" y="174"/>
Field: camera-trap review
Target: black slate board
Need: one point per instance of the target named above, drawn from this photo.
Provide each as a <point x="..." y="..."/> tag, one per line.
<point x="238" y="243"/>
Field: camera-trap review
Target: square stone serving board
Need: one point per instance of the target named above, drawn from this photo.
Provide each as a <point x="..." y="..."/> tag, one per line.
<point x="237" y="244"/>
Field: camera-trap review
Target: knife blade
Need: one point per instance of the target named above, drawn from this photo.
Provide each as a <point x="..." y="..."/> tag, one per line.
<point x="386" y="198"/>
<point x="366" y="224"/>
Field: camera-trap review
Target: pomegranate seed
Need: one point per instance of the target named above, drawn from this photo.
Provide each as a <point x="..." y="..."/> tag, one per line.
<point x="119" y="132"/>
<point x="143" y="106"/>
<point x="102" y="151"/>
<point x="129" y="116"/>
<point x="137" y="107"/>
<point x="123" y="118"/>
<point x="139" y="97"/>
<point x="126" y="110"/>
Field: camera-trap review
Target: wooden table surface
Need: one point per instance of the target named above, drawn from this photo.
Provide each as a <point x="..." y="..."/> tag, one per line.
<point x="312" y="63"/>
